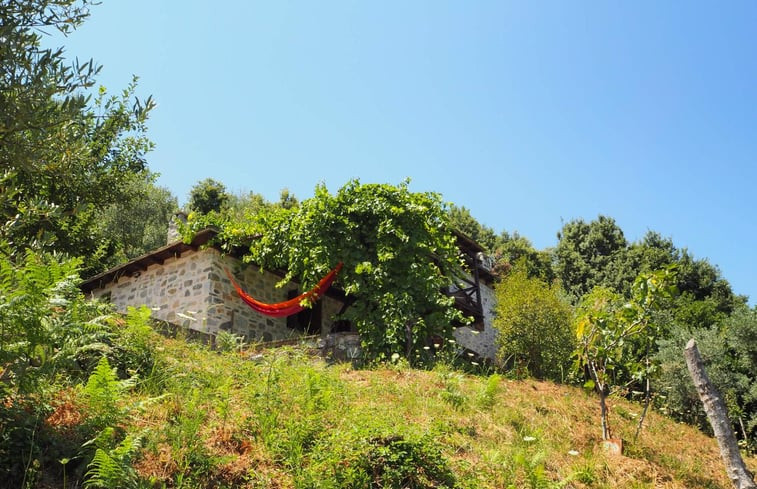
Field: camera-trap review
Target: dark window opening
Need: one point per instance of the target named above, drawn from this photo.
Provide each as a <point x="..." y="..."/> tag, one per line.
<point x="308" y="320"/>
<point x="342" y="326"/>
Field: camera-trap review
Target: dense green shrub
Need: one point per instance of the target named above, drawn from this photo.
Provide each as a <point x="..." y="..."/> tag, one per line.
<point x="397" y="462"/>
<point x="368" y="462"/>
<point x="534" y="323"/>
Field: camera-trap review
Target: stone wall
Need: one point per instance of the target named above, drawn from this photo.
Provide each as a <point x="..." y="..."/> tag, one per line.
<point x="176" y="291"/>
<point x="483" y="342"/>
<point x="193" y="291"/>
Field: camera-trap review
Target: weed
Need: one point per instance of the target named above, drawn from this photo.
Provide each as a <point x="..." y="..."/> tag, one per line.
<point x="585" y="474"/>
<point x="486" y="399"/>
<point x="229" y="342"/>
<point x="452" y="392"/>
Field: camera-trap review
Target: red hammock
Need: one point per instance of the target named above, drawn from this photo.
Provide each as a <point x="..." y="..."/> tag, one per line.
<point x="292" y="306"/>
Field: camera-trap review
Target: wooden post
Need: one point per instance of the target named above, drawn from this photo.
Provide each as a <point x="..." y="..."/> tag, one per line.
<point x="718" y="417"/>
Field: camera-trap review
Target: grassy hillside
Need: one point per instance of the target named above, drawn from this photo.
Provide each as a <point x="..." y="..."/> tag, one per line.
<point x="284" y="419"/>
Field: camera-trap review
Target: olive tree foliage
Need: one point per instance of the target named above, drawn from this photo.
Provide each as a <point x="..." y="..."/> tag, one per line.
<point x="729" y="352"/>
<point x="398" y="253"/>
<point x="140" y="224"/>
<point x="534" y="323"/>
<point x="64" y="156"/>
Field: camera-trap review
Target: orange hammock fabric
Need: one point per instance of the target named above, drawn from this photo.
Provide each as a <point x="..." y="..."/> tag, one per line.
<point x="292" y="306"/>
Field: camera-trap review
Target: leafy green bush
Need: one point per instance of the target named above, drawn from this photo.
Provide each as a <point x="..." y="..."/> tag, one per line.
<point x="20" y="449"/>
<point x="534" y="324"/>
<point x="382" y="462"/>
<point x="397" y="462"/>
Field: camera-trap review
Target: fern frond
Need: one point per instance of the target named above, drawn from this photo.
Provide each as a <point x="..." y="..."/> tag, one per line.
<point x="112" y="468"/>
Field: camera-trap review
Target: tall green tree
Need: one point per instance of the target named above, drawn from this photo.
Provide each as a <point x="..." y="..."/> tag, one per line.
<point x="207" y="196"/>
<point x="589" y="254"/>
<point x="64" y="156"/>
<point x="287" y="200"/>
<point x="462" y="220"/>
<point x="512" y="248"/>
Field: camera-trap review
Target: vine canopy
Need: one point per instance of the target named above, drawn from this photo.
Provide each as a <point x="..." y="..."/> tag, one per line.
<point x="397" y="248"/>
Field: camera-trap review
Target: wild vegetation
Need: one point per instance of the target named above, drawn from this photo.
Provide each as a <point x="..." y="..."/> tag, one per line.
<point x="93" y="398"/>
<point x="104" y="401"/>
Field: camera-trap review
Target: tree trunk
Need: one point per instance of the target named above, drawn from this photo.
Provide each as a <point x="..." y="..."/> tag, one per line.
<point x="603" y="414"/>
<point x="647" y="400"/>
<point x="408" y="340"/>
<point x="647" y="395"/>
<point x="718" y="417"/>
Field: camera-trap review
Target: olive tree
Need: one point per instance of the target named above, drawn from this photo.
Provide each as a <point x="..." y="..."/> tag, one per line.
<point x="64" y="156"/>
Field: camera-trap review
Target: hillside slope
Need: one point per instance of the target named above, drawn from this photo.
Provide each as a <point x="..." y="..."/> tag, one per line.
<point x="284" y="419"/>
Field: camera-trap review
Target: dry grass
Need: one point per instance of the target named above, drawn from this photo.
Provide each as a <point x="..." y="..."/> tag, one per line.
<point x="561" y="420"/>
<point x="534" y="434"/>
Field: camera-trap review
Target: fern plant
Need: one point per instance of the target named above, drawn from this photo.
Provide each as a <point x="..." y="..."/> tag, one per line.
<point x="134" y="342"/>
<point x="103" y="393"/>
<point x="28" y="292"/>
<point x="113" y="468"/>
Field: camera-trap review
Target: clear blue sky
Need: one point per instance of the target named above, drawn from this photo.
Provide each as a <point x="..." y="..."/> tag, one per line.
<point x="527" y="113"/>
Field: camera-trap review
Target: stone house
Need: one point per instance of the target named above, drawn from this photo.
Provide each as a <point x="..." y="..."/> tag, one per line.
<point x="186" y="285"/>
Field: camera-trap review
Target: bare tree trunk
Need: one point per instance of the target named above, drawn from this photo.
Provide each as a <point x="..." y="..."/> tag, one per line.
<point x="603" y="414"/>
<point x="647" y="395"/>
<point x="408" y="340"/>
<point x="601" y="386"/>
<point x="718" y="416"/>
<point x="647" y="400"/>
